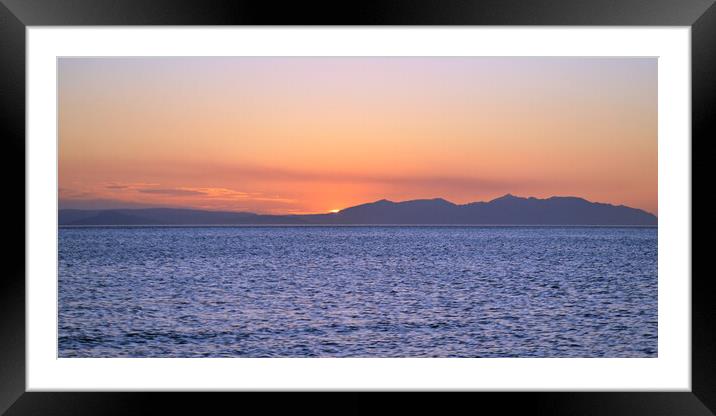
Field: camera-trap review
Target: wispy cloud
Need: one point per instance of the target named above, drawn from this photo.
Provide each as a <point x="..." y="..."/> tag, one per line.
<point x="171" y="191"/>
<point x="129" y="185"/>
<point x="106" y="203"/>
<point x="437" y="181"/>
<point x="138" y="194"/>
<point x="74" y="193"/>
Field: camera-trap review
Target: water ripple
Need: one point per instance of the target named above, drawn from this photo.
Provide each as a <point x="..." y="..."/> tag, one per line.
<point x="358" y="292"/>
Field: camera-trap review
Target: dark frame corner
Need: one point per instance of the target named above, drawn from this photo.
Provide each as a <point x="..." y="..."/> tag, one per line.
<point x="15" y="15"/>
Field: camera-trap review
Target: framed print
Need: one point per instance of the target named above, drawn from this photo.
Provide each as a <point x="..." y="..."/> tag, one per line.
<point x="447" y="196"/>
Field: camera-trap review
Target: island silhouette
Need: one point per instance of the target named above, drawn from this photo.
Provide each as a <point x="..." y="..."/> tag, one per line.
<point x="505" y="210"/>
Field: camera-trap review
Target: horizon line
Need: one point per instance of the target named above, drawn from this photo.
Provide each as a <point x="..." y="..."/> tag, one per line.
<point x="353" y="225"/>
<point x="332" y="212"/>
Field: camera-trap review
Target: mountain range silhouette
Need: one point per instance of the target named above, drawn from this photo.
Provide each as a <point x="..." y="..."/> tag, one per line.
<point x="505" y="210"/>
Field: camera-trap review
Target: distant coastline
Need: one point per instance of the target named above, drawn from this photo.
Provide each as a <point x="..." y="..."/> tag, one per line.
<point x="508" y="210"/>
<point x="248" y="225"/>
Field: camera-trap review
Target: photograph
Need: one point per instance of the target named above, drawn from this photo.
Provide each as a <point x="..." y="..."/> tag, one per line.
<point x="491" y="198"/>
<point x="357" y="206"/>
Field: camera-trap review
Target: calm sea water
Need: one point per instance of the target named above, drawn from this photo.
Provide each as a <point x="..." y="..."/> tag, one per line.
<point x="357" y="292"/>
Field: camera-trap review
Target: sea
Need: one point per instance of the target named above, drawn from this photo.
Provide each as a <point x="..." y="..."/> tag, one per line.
<point x="357" y="291"/>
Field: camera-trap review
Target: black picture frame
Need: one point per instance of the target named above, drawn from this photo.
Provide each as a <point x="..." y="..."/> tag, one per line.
<point x="16" y="15"/>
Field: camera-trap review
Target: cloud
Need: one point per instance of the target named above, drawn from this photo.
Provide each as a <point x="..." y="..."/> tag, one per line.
<point x="407" y="181"/>
<point x="73" y="193"/>
<point x="105" y="203"/>
<point x="172" y="191"/>
<point x="225" y="194"/>
<point x="129" y="185"/>
<point x="144" y="195"/>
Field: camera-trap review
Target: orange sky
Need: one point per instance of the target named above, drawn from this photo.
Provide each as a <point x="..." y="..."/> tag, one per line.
<point x="300" y="135"/>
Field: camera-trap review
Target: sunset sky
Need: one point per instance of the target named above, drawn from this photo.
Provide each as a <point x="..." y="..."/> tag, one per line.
<point x="306" y="135"/>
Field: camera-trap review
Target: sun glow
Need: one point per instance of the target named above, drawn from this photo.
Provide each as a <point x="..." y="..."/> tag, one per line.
<point x="284" y="135"/>
<point x="334" y="211"/>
